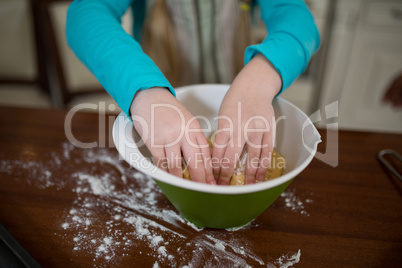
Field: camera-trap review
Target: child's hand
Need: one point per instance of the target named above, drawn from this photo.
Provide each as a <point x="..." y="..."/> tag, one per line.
<point x="168" y="130"/>
<point x="247" y="110"/>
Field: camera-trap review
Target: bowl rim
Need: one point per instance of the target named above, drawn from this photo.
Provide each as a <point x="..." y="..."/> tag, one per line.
<point x="165" y="177"/>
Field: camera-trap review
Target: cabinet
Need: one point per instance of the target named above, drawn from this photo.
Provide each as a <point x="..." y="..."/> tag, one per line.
<point x="375" y="62"/>
<point x="365" y="56"/>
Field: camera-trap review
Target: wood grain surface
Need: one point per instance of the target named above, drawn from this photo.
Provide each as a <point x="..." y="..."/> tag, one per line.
<point x="75" y="207"/>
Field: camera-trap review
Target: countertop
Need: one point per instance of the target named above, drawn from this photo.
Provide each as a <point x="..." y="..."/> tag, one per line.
<point x="82" y="207"/>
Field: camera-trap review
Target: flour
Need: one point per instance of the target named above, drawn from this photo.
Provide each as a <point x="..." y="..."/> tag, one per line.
<point x="37" y="174"/>
<point x="131" y="201"/>
<point x="295" y="203"/>
<point x="156" y="240"/>
<point x="288" y="260"/>
<point x="67" y="148"/>
<point x="219" y="246"/>
<point x="162" y="251"/>
<point x="98" y="185"/>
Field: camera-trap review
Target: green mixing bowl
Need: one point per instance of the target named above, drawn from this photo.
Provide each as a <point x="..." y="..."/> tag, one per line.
<point x="220" y="210"/>
<point x="223" y="206"/>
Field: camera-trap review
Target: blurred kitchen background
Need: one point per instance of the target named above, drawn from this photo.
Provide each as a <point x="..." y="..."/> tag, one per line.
<point x="360" y="57"/>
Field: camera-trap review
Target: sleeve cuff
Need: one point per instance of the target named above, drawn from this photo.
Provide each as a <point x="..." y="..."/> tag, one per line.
<point x="285" y="54"/>
<point x="127" y="98"/>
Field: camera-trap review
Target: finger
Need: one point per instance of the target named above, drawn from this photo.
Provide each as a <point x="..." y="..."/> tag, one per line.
<point x="209" y="177"/>
<point x="173" y="156"/>
<point x="265" y="158"/>
<point x="160" y="159"/>
<point x="253" y="146"/>
<point x="222" y="140"/>
<point x="266" y="152"/>
<point x="195" y="161"/>
<point x="229" y="162"/>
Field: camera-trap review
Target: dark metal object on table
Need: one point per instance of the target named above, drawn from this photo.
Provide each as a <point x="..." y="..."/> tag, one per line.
<point x="12" y="254"/>
<point x="381" y="158"/>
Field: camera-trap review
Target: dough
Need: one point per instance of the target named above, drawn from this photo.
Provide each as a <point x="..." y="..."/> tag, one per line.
<point x="275" y="168"/>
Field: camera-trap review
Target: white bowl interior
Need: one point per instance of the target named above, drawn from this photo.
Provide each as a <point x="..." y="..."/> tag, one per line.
<point x="296" y="139"/>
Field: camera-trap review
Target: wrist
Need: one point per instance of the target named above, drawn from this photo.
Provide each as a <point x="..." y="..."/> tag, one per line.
<point x="263" y="76"/>
<point x="145" y="97"/>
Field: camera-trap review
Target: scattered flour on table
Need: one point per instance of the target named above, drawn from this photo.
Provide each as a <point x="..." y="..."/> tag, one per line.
<point x="288" y="260"/>
<point x="295" y="203"/>
<point x="37" y="173"/>
<point x="131" y="201"/>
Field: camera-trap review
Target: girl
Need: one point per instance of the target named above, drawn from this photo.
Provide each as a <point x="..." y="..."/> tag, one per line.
<point x="189" y="41"/>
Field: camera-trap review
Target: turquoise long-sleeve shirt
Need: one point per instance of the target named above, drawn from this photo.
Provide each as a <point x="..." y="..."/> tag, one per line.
<point x="95" y="34"/>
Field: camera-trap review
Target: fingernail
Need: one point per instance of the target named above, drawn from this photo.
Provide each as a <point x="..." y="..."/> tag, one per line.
<point x="223" y="181"/>
<point x="260" y="178"/>
<point x="250" y="182"/>
<point x="212" y="182"/>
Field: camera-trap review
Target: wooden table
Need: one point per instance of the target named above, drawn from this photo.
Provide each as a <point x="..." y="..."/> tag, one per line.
<point x="72" y="207"/>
